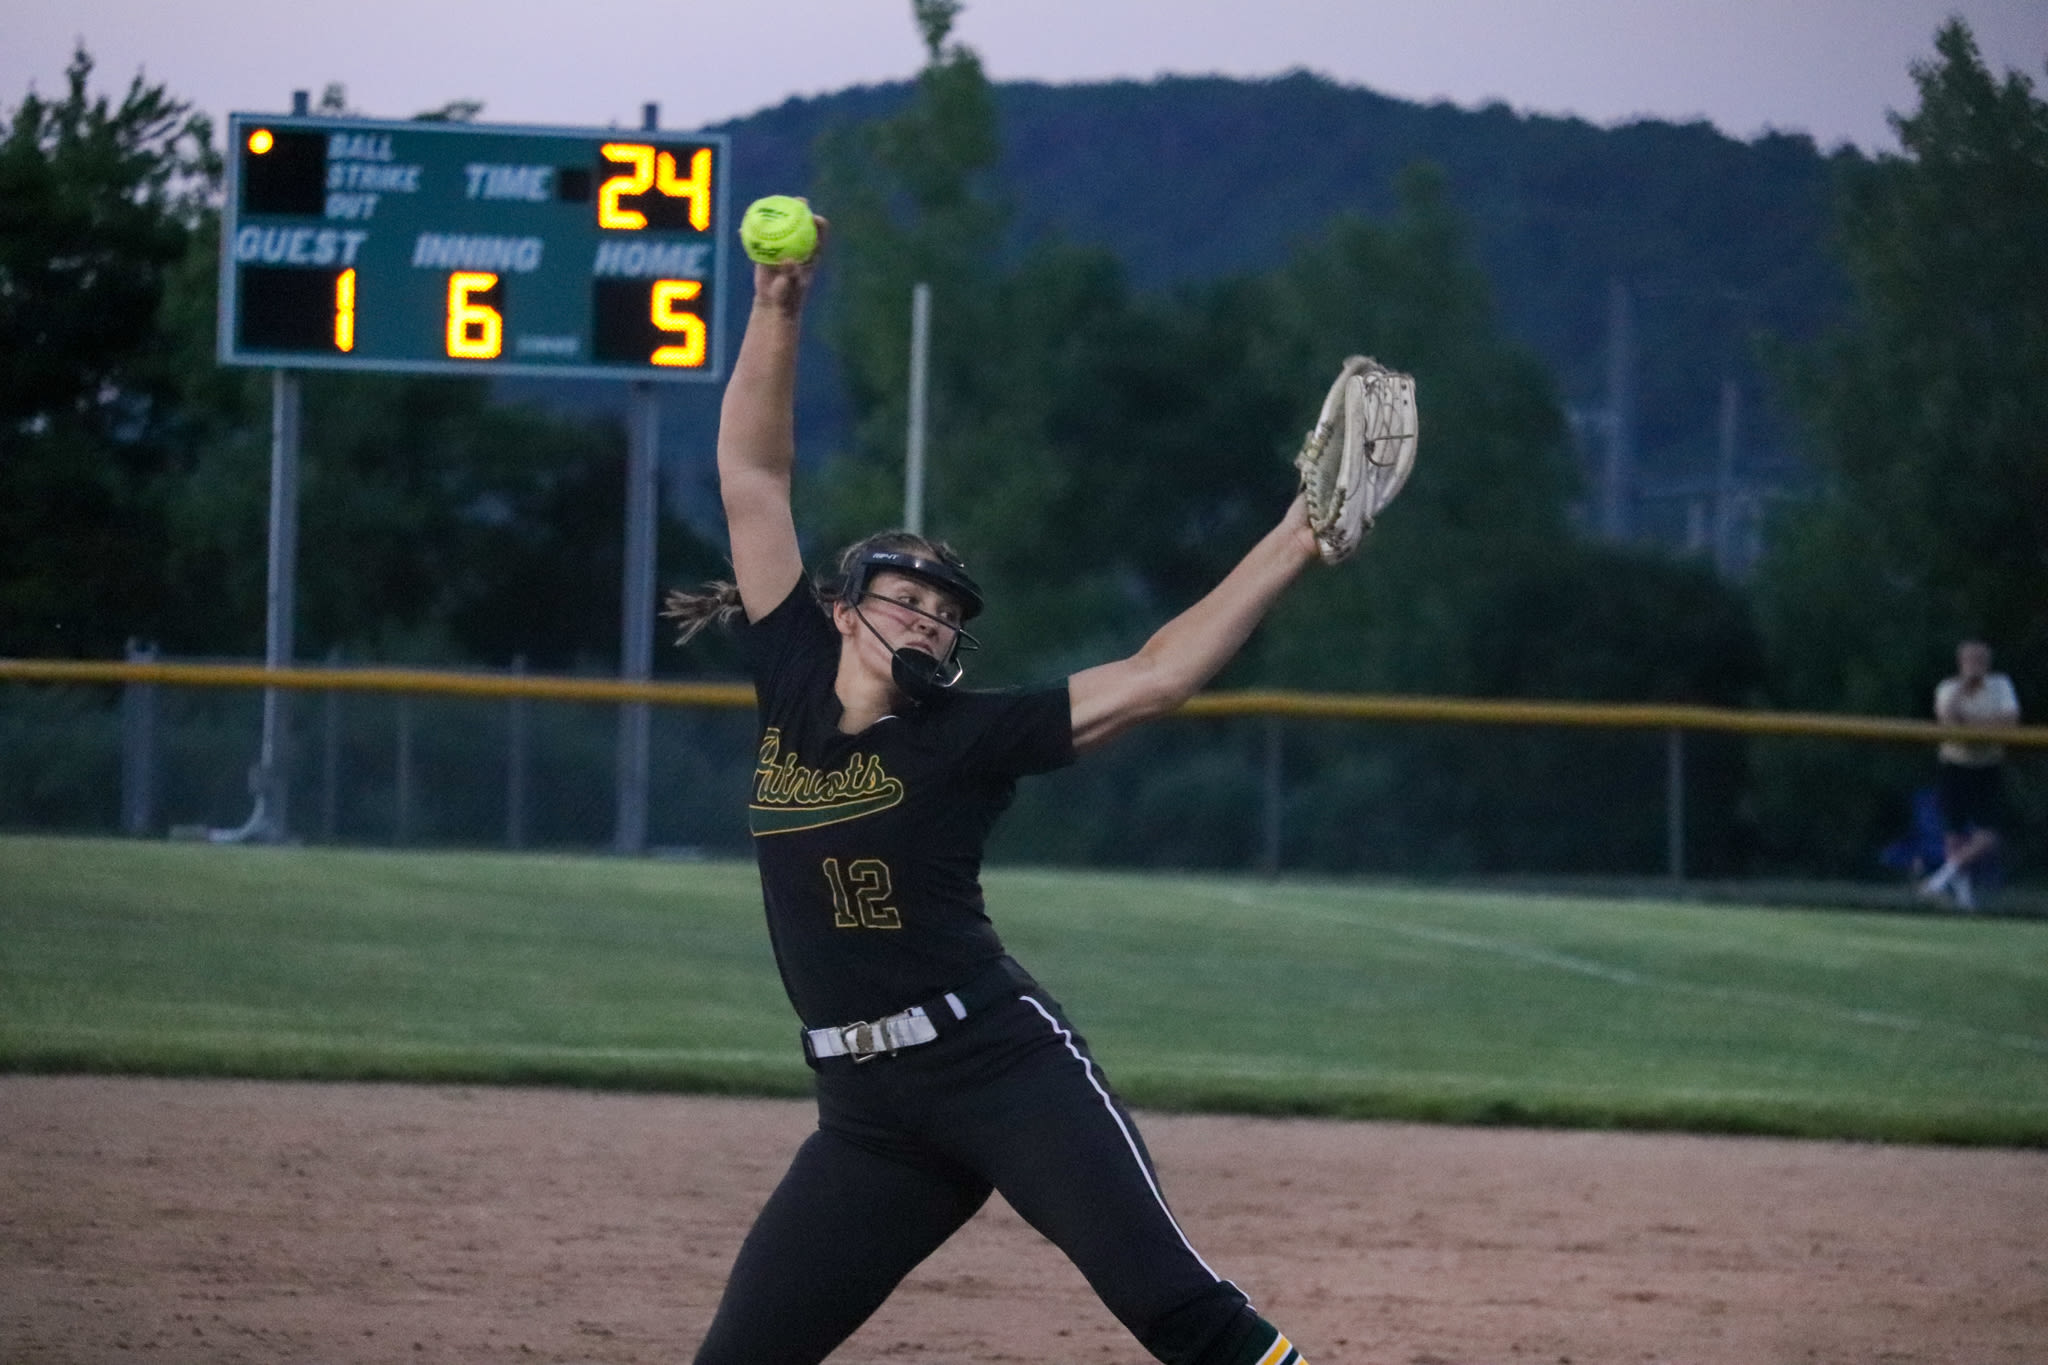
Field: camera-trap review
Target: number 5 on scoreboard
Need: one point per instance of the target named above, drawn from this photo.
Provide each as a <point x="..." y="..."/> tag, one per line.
<point x="664" y="306"/>
<point x="662" y="324"/>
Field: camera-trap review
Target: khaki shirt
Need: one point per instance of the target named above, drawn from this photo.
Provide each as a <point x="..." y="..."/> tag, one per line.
<point x="1994" y="703"/>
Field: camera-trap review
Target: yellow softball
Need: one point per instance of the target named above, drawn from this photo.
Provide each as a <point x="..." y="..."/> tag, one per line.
<point x="779" y="230"/>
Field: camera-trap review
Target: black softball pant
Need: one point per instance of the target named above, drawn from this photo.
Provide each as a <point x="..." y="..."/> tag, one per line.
<point x="909" y="1146"/>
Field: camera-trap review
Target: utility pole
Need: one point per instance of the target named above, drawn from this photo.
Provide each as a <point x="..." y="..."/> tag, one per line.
<point x="920" y="365"/>
<point x="1617" y="483"/>
<point x="1724" y="479"/>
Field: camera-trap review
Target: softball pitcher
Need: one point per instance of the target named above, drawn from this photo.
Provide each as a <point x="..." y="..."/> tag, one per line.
<point x="943" y="1070"/>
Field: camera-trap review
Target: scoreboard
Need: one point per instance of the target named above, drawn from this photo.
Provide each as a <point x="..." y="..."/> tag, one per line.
<point x="467" y="249"/>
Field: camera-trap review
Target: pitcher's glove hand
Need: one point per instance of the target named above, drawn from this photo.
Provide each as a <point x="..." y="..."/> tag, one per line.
<point x="1358" y="454"/>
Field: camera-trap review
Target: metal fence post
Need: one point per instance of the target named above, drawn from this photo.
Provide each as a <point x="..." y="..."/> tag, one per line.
<point x="515" y="763"/>
<point x="401" y="821"/>
<point x="1674" y="803"/>
<point x="330" y="759"/>
<point x="138" y="746"/>
<point x="1275" y="793"/>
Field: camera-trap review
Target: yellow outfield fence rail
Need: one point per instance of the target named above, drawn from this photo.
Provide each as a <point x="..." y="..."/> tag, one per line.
<point x="1614" y="715"/>
<point x="1249" y="702"/>
<point x="418" y="681"/>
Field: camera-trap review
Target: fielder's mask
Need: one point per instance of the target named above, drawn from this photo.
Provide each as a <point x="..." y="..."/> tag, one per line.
<point x="919" y="676"/>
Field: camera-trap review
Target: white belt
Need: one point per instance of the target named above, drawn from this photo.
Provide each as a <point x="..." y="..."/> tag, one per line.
<point x="867" y="1041"/>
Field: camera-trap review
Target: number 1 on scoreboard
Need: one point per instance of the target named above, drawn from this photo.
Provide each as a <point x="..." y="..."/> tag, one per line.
<point x="345" y="310"/>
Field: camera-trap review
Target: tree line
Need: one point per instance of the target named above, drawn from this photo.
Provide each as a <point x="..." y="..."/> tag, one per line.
<point x="1101" y="450"/>
<point x="1189" y="179"/>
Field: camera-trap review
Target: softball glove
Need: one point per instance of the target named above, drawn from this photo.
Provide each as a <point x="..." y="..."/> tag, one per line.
<point x="1358" y="454"/>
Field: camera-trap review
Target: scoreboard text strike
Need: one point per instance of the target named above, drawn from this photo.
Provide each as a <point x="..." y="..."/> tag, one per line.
<point x="448" y="247"/>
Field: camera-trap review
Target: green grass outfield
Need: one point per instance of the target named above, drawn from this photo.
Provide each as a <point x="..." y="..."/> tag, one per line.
<point x="1290" y="997"/>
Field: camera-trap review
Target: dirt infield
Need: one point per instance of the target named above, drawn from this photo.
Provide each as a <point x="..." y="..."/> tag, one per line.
<point x="217" y="1222"/>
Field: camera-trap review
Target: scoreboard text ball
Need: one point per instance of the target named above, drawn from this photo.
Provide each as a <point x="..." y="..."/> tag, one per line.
<point x="458" y="248"/>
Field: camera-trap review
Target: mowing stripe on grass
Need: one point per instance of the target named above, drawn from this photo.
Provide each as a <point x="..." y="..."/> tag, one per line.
<point x="1344" y="998"/>
<point x="1622" y="976"/>
<point x="283" y="1041"/>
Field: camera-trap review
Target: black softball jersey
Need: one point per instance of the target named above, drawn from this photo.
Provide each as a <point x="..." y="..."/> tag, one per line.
<point x="870" y="844"/>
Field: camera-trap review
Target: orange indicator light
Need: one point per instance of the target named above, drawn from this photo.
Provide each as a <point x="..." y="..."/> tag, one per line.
<point x="345" y="310"/>
<point x="261" y="141"/>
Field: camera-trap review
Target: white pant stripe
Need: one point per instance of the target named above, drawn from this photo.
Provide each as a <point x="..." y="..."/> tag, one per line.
<point x="1130" y="1140"/>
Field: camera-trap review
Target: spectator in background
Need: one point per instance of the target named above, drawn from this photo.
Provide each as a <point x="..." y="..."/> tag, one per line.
<point x="1969" y="774"/>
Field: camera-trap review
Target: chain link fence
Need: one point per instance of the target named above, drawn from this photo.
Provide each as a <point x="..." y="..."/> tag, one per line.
<point x="1272" y="782"/>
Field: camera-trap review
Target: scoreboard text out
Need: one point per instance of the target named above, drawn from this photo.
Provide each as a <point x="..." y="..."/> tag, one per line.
<point x="458" y="248"/>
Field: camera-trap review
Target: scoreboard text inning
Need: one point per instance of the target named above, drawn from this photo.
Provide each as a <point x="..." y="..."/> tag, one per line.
<point x="459" y="248"/>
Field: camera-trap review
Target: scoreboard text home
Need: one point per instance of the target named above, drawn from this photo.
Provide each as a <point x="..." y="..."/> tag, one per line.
<point x="456" y="248"/>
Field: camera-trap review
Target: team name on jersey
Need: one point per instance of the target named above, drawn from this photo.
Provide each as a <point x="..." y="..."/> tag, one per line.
<point x="789" y="796"/>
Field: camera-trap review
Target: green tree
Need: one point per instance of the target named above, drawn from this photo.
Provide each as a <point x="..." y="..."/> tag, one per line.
<point x="912" y="200"/>
<point x="99" y="203"/>
<point x="436" y="525"/>
<point x="1475" y="584"/>
<point x="1928" y="409"/>
<point x="1486" y="505"/>
<point x="1927" y="412"/>
<point x="907" y="198"/>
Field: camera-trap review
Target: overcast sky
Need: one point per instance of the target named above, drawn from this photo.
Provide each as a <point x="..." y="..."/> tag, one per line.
<point x="1828" y="68"/>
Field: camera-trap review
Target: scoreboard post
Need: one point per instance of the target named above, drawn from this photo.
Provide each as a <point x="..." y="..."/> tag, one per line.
<point x="460" y="248"/>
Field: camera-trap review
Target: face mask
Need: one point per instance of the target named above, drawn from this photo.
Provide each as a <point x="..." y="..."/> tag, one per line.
<point x="922" y="678"/>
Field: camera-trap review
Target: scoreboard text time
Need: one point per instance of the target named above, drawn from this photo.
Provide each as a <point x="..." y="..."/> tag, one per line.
<point x="456" y="248"/>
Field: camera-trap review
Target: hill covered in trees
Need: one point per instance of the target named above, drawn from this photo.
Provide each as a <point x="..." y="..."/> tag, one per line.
<point x="1716" y="241"/>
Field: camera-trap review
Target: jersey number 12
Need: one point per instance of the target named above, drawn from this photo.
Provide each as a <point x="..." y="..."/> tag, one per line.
<point x="860" y="895"/>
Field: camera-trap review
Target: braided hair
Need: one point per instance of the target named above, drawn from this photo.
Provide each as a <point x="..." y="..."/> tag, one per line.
<point x="717" y="603"/>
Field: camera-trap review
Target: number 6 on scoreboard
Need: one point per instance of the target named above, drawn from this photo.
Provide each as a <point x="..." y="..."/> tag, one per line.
<point x="476" y="330"/>
<point x="665" y="310"/>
